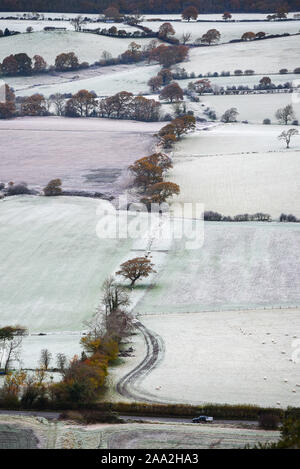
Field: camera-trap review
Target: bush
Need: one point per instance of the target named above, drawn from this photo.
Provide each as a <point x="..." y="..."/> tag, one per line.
<point x="18" y="189"/>
<point x="267" y="121"/>
<point x="91" y="416"/>
<point x="269" y="421"/>
<point x="53" y="188"/>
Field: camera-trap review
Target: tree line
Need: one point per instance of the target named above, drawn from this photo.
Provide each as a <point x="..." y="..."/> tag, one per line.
<point x="147" y="6"/>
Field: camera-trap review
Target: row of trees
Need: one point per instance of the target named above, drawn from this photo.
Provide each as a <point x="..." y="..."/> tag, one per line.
<point x="148" y="6"/>
<point x="84" y="103"/>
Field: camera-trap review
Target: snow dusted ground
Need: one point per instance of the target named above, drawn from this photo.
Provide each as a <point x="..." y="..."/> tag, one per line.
<point x="104" y="81"/>
<point x="82" y="152"/>
<point x="263" y="57"/>
<point x="239" y="266"/>
<point x="239" y="168"/>
<point x="224" y="357"/>
<point x="53" y="263"/>
<point x="87" y="47"/>
<point x="253" y="108"/>
<point x="228" y="30"/>
<point x="244" y="80"/>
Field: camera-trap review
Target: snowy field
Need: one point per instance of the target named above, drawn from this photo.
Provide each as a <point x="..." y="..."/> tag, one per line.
<point x="88" y="47"/>
<point x="253" y="108"/>
<point x="244" y="80"/>
<point x="53" y="264"/>
<point x="240" y="266"/>
<point x="236" y="168"/>
<point x="224" y="357"/>
<point x="229" y="31"/>
<point x="262" y="57"/>
<point x="105" y="81"/>
<point x="79" y="151"/>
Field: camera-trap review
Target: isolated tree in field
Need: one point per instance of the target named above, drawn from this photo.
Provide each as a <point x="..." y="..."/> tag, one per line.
<point x="230" y="115"/>
<point x="166" y="30"/>
<point x="10" y="344"/>
<point x="45" y="359"/>
<point x="265" y="82"/>
<point x="286" y="114"/>
<point x="172" y="92"/>
<point x="227" y="16"/>
<point x="77" y="22"/>
<point x="53" y="188"/>
<point x="190" y="13"/>
<point x="248" y="36"/>
<point x="135" y="269"/>
<point x="211" y="36"/>
<point x="286" y="135"/>
<point x="185" y="37"/>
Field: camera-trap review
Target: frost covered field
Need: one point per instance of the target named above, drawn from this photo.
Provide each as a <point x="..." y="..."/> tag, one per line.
<point x="227" y="357"/>
<point x="240" y="266"/>
<point x="239" y="168"/>
<point x="254" y="108"/>
<point x="104" y="81"/>
<point x="228" y="30"/>
<point x="88" y="47"/>
<point x="53" y="263"/>
<point x="79" y="151"/>
<point x="263" y="57"/>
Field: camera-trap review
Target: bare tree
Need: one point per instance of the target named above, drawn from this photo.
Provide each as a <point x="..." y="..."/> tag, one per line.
<point x="10" y="344"/>
<point x="77" y="22"/>
<point x="286" y="135"/>
<point x="61" y="361"/>
<point x="285" y="114"/>
<point x="185" y="37"/>
<point x="59" y="102"/>
<point x="45" y="359"/>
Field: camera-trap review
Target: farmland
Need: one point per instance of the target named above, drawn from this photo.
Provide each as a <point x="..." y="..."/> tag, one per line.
<point x="215" y="322"/>
<point x="55" y="145"/>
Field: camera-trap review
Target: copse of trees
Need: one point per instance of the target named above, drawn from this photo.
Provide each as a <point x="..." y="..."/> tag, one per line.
<point x="175" y="129"/>
<point x="8" y="108"/>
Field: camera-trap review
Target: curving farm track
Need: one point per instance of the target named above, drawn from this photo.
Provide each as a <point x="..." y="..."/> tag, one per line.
<point x="128" y="386"/>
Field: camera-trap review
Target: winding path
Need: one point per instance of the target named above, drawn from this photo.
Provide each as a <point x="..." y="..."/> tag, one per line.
<point x="128" y="385"/>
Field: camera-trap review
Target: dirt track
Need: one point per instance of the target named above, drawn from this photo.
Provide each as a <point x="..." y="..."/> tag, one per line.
<point x="128" y="385"/>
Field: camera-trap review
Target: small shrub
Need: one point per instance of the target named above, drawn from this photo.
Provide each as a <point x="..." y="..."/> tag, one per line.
<point x="18" y="189"/>
<point x="53" y="188"/>
<point x="267" y="121"/>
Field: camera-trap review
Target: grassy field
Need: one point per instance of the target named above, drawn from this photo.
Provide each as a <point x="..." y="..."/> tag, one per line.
<point x="79" y="151"/>
<point x="238" y="168"/>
